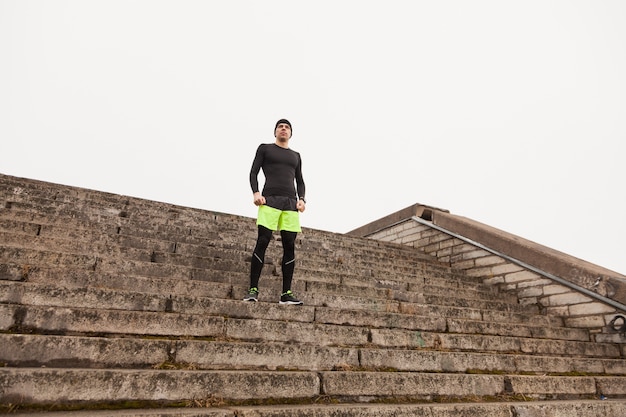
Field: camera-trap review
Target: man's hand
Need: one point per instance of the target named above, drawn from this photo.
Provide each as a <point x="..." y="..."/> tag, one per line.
<point x="301" y="205"/>
<point x="259" y="200"/>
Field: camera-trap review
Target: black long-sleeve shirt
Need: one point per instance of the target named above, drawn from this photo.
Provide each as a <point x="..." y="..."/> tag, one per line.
<point x="280" y="167"/>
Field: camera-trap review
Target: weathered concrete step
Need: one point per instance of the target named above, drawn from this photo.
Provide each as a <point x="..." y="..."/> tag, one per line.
<point x="198" y="411"/>
<point x="429" y="385"/>
<point x="31" y="350"/>
<point x="434" y="322"/>
<point x="48" y="385"/>
<point x="74" y="271"/>
<point x="479" y="315"/>
<point x="275" y="323"/>
<point x="171" y="252"/>
<point x="414" y="293"/>
<point x="517" y="329"/>
<point x="437" y="323"/>
<point x="124" y="352"/>
<point x="148" y="294"/>
<point x="64" y="199"/>
<point x="206" y="257"/>
<point x="152" y="267"/>
<point x="119" y="264"/>
<point x="29" y="293"/>
<point x="65" y="320"/>
<point x="383" y="278"/>
<point x="177" y="235"/>
<point x="80" y="278"/>
<point x="457" y="281"/>
<point x="163" y="237"/>
<point x="401" y="338"/>
<point x="85" y="219"/>
<point x="71" y="238"/>
<point x="324" y="237"/>
<point x="186" y="218"/>
<point x="578" y="408"/>
<point x="20" y="191"/>
<point x="414" y="360"/>
<point x="273" y="328"/>
<point x="356" y="295"/>
<point x="146" y="263"/>
<point x="29" y="222"/>
<point x="124" y="207"/>
<point x="26" y="265"/>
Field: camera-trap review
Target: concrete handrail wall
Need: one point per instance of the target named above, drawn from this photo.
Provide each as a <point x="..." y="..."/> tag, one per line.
<point x="578" y="308"/>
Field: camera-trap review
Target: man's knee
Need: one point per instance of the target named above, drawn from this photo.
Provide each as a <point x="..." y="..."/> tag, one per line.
<point x="288" y="239"/>
<point x="264" y="238"/>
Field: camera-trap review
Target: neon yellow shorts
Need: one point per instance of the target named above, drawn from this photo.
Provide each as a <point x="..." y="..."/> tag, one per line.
<point x="275" y="219"/>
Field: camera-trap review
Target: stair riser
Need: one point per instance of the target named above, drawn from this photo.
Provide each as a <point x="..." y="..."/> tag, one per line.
<point x="41" y="386"/>
<point x="96" y="352"/>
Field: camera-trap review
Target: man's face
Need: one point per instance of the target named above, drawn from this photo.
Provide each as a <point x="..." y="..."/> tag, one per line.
<point x="283" y="132"/>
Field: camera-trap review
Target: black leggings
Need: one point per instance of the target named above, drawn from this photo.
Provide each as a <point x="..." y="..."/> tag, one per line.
<point x="289" y="256"/>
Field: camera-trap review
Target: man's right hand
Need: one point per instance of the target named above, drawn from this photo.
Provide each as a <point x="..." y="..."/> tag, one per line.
<point x="259" y="200"/>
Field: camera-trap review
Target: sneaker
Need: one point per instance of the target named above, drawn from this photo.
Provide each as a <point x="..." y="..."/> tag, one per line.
<point x="252" y="295"/>
<point x="288" y="298"/>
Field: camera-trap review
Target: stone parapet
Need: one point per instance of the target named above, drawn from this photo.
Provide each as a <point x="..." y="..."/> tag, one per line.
<point x="486" y="253"/>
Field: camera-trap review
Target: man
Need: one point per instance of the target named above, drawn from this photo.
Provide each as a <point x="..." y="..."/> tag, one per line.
<point x="279" y="207"/>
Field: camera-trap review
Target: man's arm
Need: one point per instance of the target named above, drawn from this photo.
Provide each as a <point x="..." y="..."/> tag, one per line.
<point x="300" y="188"/>
<point x="258" y="199"/>
<point x="256" y="167"/>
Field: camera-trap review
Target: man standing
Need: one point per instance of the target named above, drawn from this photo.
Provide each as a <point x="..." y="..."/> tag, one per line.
<point x="279" y="207"/>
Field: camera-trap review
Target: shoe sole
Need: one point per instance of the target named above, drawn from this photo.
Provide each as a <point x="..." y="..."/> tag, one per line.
<point x="293" y="303"/>
<point x="250" y="299"/>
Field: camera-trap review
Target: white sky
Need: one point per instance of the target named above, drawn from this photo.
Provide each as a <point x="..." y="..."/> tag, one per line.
<point x="509" y="113"/>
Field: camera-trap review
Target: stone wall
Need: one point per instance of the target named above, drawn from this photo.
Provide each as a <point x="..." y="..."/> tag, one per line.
<point x="512" y="264"/>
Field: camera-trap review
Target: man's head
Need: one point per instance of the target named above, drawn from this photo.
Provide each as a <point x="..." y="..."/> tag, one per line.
<point x="282" y="128"/>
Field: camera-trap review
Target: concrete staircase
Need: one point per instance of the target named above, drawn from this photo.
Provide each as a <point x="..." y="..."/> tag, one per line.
<point x="117" y="306"/>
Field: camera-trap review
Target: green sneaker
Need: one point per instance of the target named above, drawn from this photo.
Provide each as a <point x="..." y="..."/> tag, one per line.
<point x="253" y="294"/>
<point x="288" y="298"/>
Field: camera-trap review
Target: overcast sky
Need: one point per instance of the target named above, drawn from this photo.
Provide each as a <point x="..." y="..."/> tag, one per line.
<point x="509" y="113"/>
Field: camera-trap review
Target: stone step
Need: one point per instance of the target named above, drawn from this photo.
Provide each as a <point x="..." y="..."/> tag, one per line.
<point x="401" y="338"/>
<point x="21" y="254"/>
<point x="84" y="386"/>
<point x="436" y="323"/>
<point x="314" y="242"/>
<point x="565" y="408"/>
<point x="169" y="251"/>
<point x="413" y="253"/>
<point x="132" y="208"/>
<point x="184" y="233"/>
<point x="429" y="385"/>
<point x="125" y="352"/>
<point x="82" y="279"/>
<point x="412" y="360"/>
<point x="145" y="262"/>
<point x="419" y="313"/>
<point x="150" y="218"/>
<point x="346" y="309"/>
<point x="33" y="350"/>
<point x="47" y="385"/>
<point x="79" y="241"/>
<point x="237" y="320"/>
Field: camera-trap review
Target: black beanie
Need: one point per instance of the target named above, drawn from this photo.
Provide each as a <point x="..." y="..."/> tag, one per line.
<point x="283" y="121"/>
